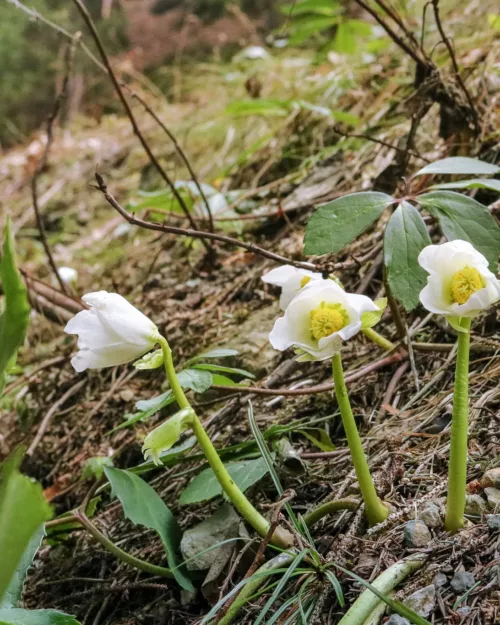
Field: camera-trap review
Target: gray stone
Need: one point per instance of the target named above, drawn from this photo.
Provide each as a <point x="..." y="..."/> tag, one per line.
<point x="430" y="514"/>
<point x="491" y="478"/>
<point x="416" y="534"/>
<point x="475" y="505"/>
<point x="423" y="601"/>
<point x="440" y="580"/>
<point x="462" y="581"/>
<point x="493" y="497"/>
<point x="493" y="521"/>
<point x="395" y="619"/>
<point x="464" y="611"/>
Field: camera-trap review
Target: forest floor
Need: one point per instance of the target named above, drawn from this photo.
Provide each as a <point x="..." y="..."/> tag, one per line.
<point x="318" y="131"/>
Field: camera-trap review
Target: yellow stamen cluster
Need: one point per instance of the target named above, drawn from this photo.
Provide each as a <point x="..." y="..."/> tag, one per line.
<point x="305" y="280"/>
<point x="464" y="283"/>
<point x="327" y="319"/>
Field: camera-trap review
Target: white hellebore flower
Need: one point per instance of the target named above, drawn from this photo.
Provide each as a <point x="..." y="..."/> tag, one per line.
<point x="111" y="333"/>
<point x="319" y="318"/>
<point x="291" y="280"/>
<point x="460" y="283"/>
<point x="67" y="274"/>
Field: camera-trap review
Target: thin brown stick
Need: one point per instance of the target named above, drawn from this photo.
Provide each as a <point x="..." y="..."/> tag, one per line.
<point x="353" y="135"/>
<point x="197" y="234"/>
<point x="70" y="54"/>
<point x="394" y="36"/>
<point x="51" y="412"/>
<point x="447" y="43"/>
<point x="181" y="153"/>
<point x="394" y="16"/>
<point x="95" y="35"/>
<point x="319" y="388"/>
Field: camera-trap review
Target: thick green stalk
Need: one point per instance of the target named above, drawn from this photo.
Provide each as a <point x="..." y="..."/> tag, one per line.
<point x="457" y="470"/>
<point x="281" y="537"/>
<point x="330" y="507"/>
<point x="378" y="339"/>
<point x="375" y="510"/>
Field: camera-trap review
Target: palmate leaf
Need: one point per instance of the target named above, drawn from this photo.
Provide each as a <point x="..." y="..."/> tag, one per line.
<point x="18" y="616"/>
<point x="461" y="217"/>
<point x="459" y="165"/>
<point x="206" y="486"/>
<point x="405" y="237"/>
<point x="332" y="226"/>
<point x="143" y="506"/>
<point x="15" y="316"/>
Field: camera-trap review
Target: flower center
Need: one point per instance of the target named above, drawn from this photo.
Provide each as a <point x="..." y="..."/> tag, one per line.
<point x="305" y="280"/>
<point x="464" y="283"/>
<point x="327" y="319"/>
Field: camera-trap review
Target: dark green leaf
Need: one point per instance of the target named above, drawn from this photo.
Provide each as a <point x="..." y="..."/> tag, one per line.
<point x="405" y="237"/>
<point x="337" y="223"/>
<point x="205" y="486"/>
<point x="221" y="369"/>
<point x="13" y="593"/>
<point x="475" y="183"/>
<point x="461" y="217"/>
<point x="23" y="509"/>
<point x="147" y="408"/>
<point x="19" y="616"/>
<point x="15" y="316"/>
<point x="459" y="165"/>
<point x="222" y="380"/>
<point x="322" y="440"/>
<point x="143" y="506"/>
<point x="195" y="380"/>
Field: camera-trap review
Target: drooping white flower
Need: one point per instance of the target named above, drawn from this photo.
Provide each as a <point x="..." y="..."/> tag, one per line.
<point x="68" y="275"/>
<point x="291" y="280"/>
<point x="111" y="333"/>
<point x="459" y="283"/>
<point x="319" y="318"/>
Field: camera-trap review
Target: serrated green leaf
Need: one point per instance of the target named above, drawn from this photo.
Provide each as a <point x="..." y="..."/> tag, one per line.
<point x="219" y="368"/>
<point x="372" y="317"/>
<point x="321" y="440"/>
<point x="475" y="183"/>
<point x="461" y="217"/>
<point x="218" y="352"/>
<point x="143" y="506"/>
<point x="195" y="380"/>
<point x="13" y="593"/>
<point x="153" y="360"/>
<point x="165" y="436"/>
<point x="18" y="493"/>
<point x="15" y="316"/>
<point x="459" y="165"/>
<point x="205" y="486"/>
<point x="332" y="226"/>
<point x="18" y="616"/>
<point x="404" y="239"/>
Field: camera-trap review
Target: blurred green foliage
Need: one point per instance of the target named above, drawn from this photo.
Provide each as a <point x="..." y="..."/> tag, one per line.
<point x="32" y="59"/>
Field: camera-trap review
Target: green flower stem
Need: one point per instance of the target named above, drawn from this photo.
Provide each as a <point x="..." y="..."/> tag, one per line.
<point x="457" y="470"/>
<point x="330" y="507"/>
<point x="375" y="510"/>
<point x="281" y="537"/>
<point x="378" y="339"/>
<point x="110" y="546"/>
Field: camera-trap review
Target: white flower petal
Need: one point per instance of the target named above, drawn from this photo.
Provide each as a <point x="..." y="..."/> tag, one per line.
<point x="280" y="275"/>
<point x="290" y="280"/>
<point x="443" y="262"/>
<point x="279" y="336"/>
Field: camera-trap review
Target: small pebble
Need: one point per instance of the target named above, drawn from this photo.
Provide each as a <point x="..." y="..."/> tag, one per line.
<point x="493" y="496"/>
<point x="431" y="514"/>
<point x="462" y="581"/>
<point x="440" y="580"/>
<point x="493" y="521"/>
<point x="475" y="505"/>
<point x="423" y="601"/>
<point x="395" y="619"/>
<point x="491" y="478"/>
<point x="464" y="611"/>
<point x="416" y="534"/>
